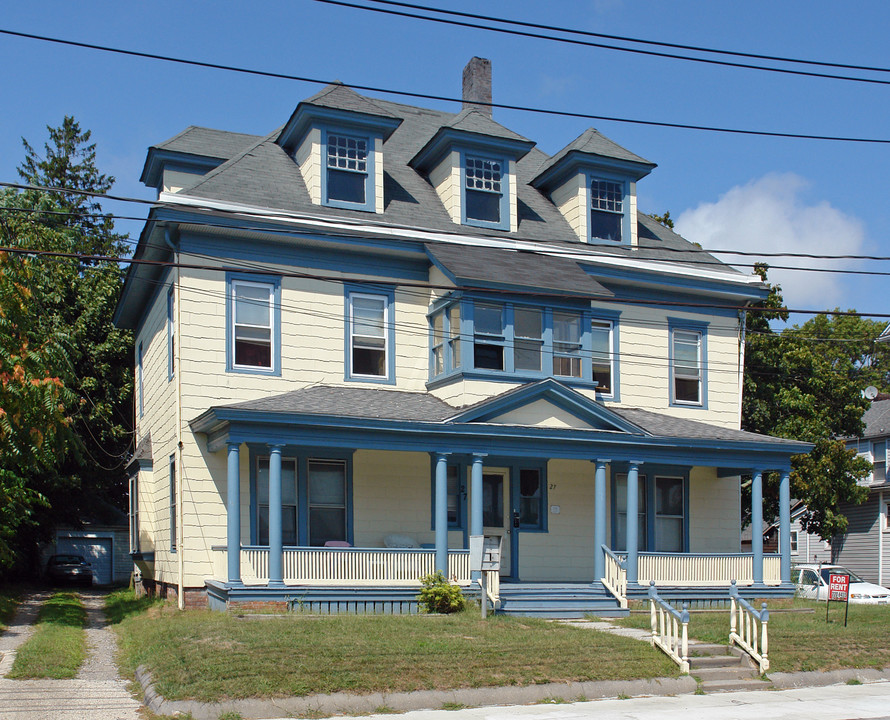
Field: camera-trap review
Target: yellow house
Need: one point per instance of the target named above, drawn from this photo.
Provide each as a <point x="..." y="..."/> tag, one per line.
<point x="380" y="330"/>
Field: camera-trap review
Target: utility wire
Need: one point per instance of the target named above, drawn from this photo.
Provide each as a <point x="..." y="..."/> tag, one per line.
<point x="476" y="25"/>
<point x="443" y="98"/>
<point x="623" y="38"/>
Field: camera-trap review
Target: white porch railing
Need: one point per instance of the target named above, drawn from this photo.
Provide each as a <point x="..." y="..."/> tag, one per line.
<point x="615" y="578"/>
<point x="344" y="566"/>
<point x="704" y="569"/>
<point x="669" y="629"/>
<point x="748" y="628"/>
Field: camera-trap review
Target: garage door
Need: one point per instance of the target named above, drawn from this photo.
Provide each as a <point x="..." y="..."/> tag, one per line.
<point x="96" y="551"/>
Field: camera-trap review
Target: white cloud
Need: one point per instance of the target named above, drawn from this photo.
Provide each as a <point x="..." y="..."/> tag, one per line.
<point x="770" y="215"/>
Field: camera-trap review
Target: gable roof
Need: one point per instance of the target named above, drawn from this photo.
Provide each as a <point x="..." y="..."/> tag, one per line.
<point x="877" y="419"/>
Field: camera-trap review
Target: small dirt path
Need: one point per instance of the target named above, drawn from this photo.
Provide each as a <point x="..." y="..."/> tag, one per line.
<point x="97" y="693"/>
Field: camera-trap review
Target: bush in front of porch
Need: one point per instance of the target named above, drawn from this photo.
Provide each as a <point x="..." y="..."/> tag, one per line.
<point x="214" y="656"/>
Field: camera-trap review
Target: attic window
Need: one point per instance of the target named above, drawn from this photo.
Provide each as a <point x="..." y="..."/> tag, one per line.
<point x="347" y="169"/>
<point x="483" y="191"/>
<point x="606" y="209"/>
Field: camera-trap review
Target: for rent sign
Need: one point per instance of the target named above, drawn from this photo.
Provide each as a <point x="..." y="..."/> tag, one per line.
<point x="838" y="587"/>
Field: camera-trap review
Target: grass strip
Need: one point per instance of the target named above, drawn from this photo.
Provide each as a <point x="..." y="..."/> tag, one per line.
<point x="214" y="656"/>
<point x="9" y="601"/>
<point x="57" y="647"/>
<point x="803" y="640"/>
<point x="122" y="603"/>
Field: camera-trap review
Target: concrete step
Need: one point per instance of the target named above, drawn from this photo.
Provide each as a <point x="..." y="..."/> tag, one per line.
<point x="710" y="661"/>
<point x="700" y="649"/>
<point x="709" y="686"/>
<point x="736" y="672"/>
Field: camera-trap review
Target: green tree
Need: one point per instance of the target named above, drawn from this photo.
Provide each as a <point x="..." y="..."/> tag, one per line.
<point x="800" y="385"/>
<point x="75" y="299"/>
<point x="665" y="219"/>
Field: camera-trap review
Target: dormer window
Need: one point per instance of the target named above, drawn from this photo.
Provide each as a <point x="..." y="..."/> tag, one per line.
<point x="347" y="170"/>
<point x="483" y="191"/>
<point x="606" y="209"/>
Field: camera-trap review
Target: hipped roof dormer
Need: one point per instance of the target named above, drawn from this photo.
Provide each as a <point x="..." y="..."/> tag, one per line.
<point x="337" y="125"/>
<point x="593" y="183"/>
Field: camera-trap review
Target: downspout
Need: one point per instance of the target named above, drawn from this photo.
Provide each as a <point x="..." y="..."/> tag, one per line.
<point x="177" y="372"/>
<point x="743" y="327"/>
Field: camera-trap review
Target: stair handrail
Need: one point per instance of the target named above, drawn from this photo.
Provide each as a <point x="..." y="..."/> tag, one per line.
<point x="748" y="628"/>
<point x="615" y="576"/>
<point x="493" y="587"/>
<point x="670" y="628"/>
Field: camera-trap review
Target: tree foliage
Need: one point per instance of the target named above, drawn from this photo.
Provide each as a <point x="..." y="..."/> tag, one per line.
<point x="806" y="384"/>
<point x="74" y="299"/>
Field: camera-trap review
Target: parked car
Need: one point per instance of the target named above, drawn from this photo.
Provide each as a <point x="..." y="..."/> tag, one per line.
<point x="812" y="582"/>
<point x="65" y="569"/>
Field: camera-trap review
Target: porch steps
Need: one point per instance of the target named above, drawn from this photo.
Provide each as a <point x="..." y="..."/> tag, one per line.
<point x="721" y="668"/>
<point x="558" y="600"/>
<point x="716" y="597"/>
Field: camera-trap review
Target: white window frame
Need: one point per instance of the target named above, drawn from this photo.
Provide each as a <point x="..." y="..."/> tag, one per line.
<point x="675" y="375"/>
<point x="352" y="337"/>
<point x="273" y="331"/>
<point x="610" y="328"/>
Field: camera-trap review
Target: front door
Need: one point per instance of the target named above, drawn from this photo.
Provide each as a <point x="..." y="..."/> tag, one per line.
<point x="497" y="517"/>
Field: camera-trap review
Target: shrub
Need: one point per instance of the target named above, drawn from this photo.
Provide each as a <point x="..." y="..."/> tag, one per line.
<point x="439" y="596"/>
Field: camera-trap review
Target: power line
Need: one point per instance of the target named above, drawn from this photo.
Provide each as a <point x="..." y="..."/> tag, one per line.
<point x="623" y="38"/>
<point x="442" y="98"/>
<point x="587" y="43"/>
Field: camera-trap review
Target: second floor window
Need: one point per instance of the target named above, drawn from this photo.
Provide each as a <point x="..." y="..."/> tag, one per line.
<point x="686" y="366"/>
<point x="602" y="354"/>
<point x="252" y="318"/>
<point x="368" y="332"/>
<point x="489" y="341"/>
<point x="347" y="169"/>
<point x="567" y="344"/>
<point x="606" y="209"/>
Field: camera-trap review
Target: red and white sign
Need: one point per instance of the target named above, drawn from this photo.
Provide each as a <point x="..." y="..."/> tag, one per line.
<point x="838" y="587"/>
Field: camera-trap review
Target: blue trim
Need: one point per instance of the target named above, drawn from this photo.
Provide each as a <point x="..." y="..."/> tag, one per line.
<point x="307" y="116"/>
<point x="463" y="467"/>
<point x="171" y="333"/>
<point x="343" y="255"/>
<point x="576" y="162"/>
<point x="640" y="295"/>
<point x="275" y="283"/>
<point x="301" y="456"/>
<point x="650" y="472"/>
<point x="158" y="160"/>
<point x="612" y="316"/>
<point x="370" y="203"/>
<point x="626" y="219"/>
<point x="157" y="288"/>
<point x="506" y="196"/>
<point x="350" y="289"/>
<point x="541" y="467"/>
<point x="682" y="324"/>
<point x="448" y="139"/>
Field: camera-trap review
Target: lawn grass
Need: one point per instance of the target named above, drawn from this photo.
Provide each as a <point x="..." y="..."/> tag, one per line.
<point x="213" y="656"/>
<point x="9" y="601"/>
<point x="122" y="603"/>
<point x="803" y="641"/>
<point x="57" y="647"/>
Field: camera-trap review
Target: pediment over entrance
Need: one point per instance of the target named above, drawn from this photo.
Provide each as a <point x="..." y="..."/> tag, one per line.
<point x="543" y="413"/>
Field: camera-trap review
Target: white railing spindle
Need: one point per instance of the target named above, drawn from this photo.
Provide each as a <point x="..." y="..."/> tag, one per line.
<point x="663" y="617"/>
<point x="748" y="628"/>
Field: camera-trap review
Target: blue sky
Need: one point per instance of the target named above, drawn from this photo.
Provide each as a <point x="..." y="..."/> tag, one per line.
<point x="727" y="191"/>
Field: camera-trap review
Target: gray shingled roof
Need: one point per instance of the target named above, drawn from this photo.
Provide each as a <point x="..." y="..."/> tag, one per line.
<point x="338" y="96"/>
<point x="877" y="419"/>
<point x="207" y="142"/>
<point x="269" y="178"/>
<point x="592" y="142"/>
<point x="355" y="402"/>
<point x="474" y="121"/>
<point x="487" y="265"/>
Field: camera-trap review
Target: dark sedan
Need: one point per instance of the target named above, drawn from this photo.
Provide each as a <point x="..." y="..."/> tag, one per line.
<point x="69" y="569"/>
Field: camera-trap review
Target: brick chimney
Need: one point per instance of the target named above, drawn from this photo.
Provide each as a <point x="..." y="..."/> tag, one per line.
<point x="477" y="85"/>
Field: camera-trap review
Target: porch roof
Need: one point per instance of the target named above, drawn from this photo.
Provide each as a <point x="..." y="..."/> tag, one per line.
<point x="356" y="417"/>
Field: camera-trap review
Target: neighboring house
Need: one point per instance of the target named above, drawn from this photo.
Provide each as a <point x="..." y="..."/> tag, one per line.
<point x="382" y="325"/>
<point x="806" y="547"/>
<point x="865" y="548"/>
<point x="102" y="539"/>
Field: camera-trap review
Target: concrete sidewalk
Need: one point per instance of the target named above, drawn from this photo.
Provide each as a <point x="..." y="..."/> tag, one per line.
<point x="98" y="692"/>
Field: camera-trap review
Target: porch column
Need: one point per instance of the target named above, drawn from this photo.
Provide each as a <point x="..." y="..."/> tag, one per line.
<point x="233" y="513"/>
<point x="633" y="520"/>
<point x="757" y="525"/>
<point x="276" y="549"/>
<point x="442" y="513"/>
<point x="599" y="520"/>
<point x="476" y="501"/>
<point x="785" y="525"/>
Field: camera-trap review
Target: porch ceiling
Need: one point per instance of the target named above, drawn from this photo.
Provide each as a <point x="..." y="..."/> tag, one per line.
<point x="352" y="417"/>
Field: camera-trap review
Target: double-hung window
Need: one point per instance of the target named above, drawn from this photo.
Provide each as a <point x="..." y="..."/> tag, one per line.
<point x="686" y="366"/>
<point x="347" y="167"/>
<point x="370" y="336"/>
<point x="567" y="344"/>
<point x="488" y="340"/>
<point x="288" y="501"/>
<point x="252" y="333"/>
<point x="327" y="501"/>
<point x="484" y="187"/>
<point x="879" y="459"/>
<point x="446" y="345"/>
<point x="606" y="209"/>
<point x="602" y="354"/>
